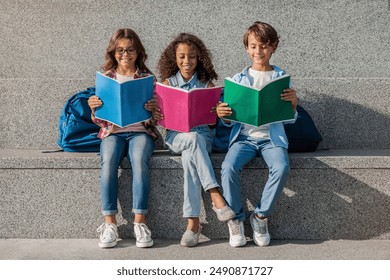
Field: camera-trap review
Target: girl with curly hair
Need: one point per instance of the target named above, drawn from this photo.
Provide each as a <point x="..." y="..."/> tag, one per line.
<point x="186" y="63"/>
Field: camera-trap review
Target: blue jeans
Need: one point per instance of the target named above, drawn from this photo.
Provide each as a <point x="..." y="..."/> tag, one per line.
<point x="241" y="152"/>
<point x="138" y="147"/>
<point x="194" y="147"/>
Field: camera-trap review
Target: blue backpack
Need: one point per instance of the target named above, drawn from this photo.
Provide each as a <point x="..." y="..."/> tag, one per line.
<point x="303" y="135"/>
<point x="77" y="131"/>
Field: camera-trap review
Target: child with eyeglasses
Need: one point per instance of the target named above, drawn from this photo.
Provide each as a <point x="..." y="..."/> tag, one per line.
<point x="186" y="63"/>
<point x="125" y="60"/>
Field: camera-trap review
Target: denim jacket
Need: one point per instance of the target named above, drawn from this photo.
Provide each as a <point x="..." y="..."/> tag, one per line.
<point x="178" y="81"/>
<point x="276" y="131"/>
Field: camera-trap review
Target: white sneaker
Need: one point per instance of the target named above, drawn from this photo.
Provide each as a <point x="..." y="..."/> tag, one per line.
<point x="108" y="235"/>
<point x="224" y="214"/>
<point x="143" y="235"/>
<point x="190" y="238"/>
<point x="260" y="230"/>
<point x="236" y="231"/>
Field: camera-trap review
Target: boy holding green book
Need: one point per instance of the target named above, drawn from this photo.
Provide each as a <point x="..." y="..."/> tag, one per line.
<point x="247" y="141"/>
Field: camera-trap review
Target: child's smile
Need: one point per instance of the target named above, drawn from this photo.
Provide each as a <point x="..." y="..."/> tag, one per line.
<point x="186" y="60"/>
<point x="260" y="53"/>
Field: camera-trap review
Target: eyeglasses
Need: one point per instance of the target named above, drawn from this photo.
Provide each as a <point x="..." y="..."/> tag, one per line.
<point x="122" y="51"/>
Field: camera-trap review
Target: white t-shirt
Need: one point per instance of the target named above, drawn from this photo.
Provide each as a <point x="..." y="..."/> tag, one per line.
<point x="261" y="132"/>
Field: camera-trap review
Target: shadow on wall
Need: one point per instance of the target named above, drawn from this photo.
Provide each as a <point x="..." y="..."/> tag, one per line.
<point x="327" y="203"/>
<point x="318" y="203"/>
<point x="347" y="125"/>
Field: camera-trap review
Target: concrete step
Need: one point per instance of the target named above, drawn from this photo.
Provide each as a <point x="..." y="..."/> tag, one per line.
<point x="331" y="194"/>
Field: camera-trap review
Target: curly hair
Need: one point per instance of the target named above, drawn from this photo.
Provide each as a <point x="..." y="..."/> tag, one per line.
<point x="167" y="65"/>
<point x="125" y="33"/>
<point x="263" y="32"/>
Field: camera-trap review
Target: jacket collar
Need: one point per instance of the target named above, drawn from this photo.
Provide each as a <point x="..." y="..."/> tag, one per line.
<point x="277" y="72"/>
<point x="191" y="83"/>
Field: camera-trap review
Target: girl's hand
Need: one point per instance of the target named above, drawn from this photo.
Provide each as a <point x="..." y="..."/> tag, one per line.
<point x="223" y="110"/>
<point x="151" y="105"/>
<point x="156" y="115"/>
<point x="290" y="95"/>
<point x="94" y="102"/>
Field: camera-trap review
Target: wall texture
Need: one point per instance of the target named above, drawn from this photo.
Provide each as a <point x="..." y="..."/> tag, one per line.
<point x="338" y="53"/>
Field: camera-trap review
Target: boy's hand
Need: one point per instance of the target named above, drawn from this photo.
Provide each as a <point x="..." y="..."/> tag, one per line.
<point x="94" y="102"/>
<point x="223" y="110"/>
<point x="290" y="95"/>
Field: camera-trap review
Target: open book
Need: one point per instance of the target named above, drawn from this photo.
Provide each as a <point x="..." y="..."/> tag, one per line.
<point x="184" y="109"/>
<point x="123" y="103"/>
<point x="258" y="106"/>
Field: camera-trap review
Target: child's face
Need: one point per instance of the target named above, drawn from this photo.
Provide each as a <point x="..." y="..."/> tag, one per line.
<point x="259" y="53"/>
<point x="186" y="59"/>
<point x="125" y="54"/>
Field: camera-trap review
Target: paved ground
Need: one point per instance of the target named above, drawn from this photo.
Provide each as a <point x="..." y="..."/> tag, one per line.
<point x="87" y="249"/>
<point x="47" y="259"/>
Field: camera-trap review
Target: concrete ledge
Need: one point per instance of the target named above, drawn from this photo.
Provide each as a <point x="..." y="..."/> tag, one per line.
<point x="334" y="194"/>
<point x="162" y="159"/>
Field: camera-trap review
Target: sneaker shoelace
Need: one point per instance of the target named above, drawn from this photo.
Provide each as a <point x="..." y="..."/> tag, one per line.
<point x="260" y="226"/>
<point x="107" y="231"/>
<point x="141" y="231"/>
<point x="235" y="228"/>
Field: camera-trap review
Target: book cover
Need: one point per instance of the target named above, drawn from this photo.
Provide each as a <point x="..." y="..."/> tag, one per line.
<point x="184" y="109"/>
<point x="123" y="103"/>
<point x="258" y="106"/>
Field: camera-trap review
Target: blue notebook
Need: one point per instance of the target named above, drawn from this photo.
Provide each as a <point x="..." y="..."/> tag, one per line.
<point x="123" y="103"/>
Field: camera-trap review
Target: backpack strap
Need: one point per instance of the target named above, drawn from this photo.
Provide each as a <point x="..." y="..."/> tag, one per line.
<point x="52" y="151"/>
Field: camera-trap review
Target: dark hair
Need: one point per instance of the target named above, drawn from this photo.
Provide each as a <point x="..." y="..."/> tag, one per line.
<point x="125" y="33"/>
<point x="263" y="32"/>
<point x="167" y="65"/>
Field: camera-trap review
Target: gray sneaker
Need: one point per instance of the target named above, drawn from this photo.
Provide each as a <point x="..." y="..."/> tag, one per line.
<point x="108" y="235"/>
<point x="225" y="213"/>
<point x="236" y="232"/>
<point x="190" y="238"/>
<point x="142" y="235"/>
<point x="260" y="230"/>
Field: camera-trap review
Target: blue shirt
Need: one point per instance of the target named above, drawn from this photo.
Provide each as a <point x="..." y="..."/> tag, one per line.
<point x="178" y="81"/>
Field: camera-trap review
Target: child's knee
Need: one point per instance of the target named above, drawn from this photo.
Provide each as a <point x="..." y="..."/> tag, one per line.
<point x="229" y="167"/>
<point x="281" y="169"/>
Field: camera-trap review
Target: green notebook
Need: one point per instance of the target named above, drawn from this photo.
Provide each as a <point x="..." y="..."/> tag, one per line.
<point x="258" y="106"/>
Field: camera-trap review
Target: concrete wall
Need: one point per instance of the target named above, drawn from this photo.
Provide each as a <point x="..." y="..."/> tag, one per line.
<point x="338" y="53"/>
<point x="329" y="195"/>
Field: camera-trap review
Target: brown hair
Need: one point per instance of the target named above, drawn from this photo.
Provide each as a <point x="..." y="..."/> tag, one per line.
<point x="167" y="65"/>
<point x="125" y="33"/>
<point x="263" y="32"/>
